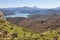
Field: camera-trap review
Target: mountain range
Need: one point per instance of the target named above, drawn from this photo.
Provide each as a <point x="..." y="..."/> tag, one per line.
<point x="36" y="27"/>
<point x="39" y="20"/>
<point x="30" y="10"/>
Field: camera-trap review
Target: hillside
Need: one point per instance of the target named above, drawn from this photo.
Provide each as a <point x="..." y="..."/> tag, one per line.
<point x="38" y="23"/>
<point x="9" y="31"/>
<point x="15" y="19"/>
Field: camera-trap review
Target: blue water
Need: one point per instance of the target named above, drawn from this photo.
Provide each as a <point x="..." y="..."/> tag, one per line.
<point x="19" y="15"/>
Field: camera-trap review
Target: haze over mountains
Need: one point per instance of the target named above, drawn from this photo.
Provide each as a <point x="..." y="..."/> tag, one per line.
<point x="30" y="10"/>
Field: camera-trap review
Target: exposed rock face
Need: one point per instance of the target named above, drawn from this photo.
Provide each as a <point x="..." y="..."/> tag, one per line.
<point x="2" y="16"/>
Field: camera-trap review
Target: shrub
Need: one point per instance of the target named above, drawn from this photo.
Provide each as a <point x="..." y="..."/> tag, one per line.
<point x="11" y="28"/>
<point x="56" y="37"/>
<point x="14" y="35"/>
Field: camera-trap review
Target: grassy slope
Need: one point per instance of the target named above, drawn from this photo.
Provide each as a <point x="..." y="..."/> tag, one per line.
<point x="6" y="26"/>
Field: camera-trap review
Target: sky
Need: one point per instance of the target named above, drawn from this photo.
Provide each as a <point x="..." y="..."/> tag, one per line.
<point x="30" y="3"/>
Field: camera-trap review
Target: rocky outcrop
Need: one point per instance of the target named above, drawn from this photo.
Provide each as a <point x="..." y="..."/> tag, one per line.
<point x="2" y="16"/>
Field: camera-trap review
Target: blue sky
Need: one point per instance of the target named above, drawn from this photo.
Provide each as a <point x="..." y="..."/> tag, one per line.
<point x="30" y="3"/>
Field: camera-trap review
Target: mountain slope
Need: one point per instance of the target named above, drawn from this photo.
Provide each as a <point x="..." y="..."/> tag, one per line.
<point x="39" y="23"/>
<point x="9" y="31"/>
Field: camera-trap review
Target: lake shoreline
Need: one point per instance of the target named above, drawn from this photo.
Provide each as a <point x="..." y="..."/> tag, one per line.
<point x="19" y="15"/>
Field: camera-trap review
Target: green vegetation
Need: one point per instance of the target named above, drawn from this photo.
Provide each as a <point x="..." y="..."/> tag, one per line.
<point x="10" y="31"/>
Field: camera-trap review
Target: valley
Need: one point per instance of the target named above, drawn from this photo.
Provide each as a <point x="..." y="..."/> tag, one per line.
<point x="30" y="27"/>
<point x="29" y="19"/>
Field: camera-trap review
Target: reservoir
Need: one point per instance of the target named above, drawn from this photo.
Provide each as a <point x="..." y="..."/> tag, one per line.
<point x="19" y="15"/>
